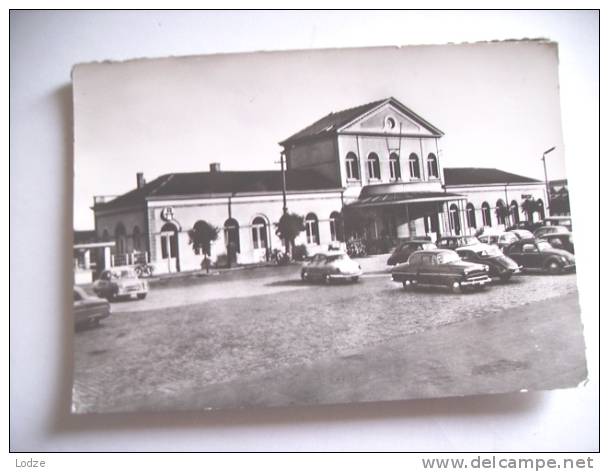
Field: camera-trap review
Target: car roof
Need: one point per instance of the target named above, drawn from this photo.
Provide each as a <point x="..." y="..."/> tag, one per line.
<point x="475" y="247"/>
<point x="433" y="251"/>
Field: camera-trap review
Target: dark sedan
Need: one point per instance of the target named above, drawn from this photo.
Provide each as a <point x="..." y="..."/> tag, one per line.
<point x="441" y="267"/>
<point x="405" y="249"/>
<point x="88" y="309"/>
<point x="539" y="254"/>
<point x="453" y="242"/>
<point x="498" y="263"/>
<point x="560" y="241"/>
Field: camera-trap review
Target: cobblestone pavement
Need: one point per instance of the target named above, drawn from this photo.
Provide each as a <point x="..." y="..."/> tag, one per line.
<point x="143" y="352"/>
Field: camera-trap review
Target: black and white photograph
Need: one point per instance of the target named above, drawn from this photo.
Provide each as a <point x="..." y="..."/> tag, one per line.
<point x="322" y="227"/>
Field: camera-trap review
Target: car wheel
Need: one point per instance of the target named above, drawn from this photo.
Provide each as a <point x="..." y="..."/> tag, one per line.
<point x="456" y="287"/>
<point x="327" y="279"/>
<point x="553" y="267"/>
<point x="141" y="296"/>
<point x="406" y="284"/>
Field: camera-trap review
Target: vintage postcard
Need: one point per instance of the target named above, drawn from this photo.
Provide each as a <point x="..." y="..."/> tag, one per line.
<point x="322" y="227"/>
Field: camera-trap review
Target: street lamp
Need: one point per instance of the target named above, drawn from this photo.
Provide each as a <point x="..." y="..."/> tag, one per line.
<point x="545" y="172"/>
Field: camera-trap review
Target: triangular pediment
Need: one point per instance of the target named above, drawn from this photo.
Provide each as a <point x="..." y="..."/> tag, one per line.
<point x="391" y="118"/>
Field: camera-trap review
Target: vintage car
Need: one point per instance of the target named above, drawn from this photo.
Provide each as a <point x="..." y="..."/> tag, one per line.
<point x="528" y="225"/>
<point x="539" y="254"/>
<point x="452" y="242"/>
<point x="498" y="263"/>
<point x="120" y="282"/>
<point x="331" y="266"/>
<point x="88" y="310"/>
<point x="404" y="249"/>
<point x="550" y="230"/>
<point x="441" y="267"/>
<point x="522" y="233"/>
<point x="560" y="241"/>
<point x="559" y="221"/>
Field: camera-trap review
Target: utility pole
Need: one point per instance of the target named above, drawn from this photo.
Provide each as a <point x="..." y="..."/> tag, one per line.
<point x="545" y="172"/>
<point x="283" y="189"/>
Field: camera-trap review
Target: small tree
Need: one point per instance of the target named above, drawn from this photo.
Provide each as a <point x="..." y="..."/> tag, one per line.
<point x="289" y="227"/>
<point x="503" y="213"/>
<point x="529" y="207"/>
<point x="201" y="236"/>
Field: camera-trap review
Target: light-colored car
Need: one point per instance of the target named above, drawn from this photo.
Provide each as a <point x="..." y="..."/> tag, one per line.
<point x="120" y="282"/>
<point x="551" y="230"/>
<point x="88" y="310"/>
<point x="522" y="233"/>
<point x="331" y="266"/>
<point x="502" y="240"/>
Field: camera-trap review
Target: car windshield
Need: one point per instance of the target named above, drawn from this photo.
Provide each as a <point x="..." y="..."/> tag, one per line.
<point x="523" y="233"/>
<point x="429" y="246"/>
<point x="543" y="245"/>
<point x="447" y="257"/>
<point x="559" y="229"/>
<point x="470" y="240"/>
<point x="123" y="274"/>
<point x="491" y="251"/>
<point x="337" y="257"/>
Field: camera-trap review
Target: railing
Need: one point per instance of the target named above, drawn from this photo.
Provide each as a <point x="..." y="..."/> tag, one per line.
<point x="131" y="258"/>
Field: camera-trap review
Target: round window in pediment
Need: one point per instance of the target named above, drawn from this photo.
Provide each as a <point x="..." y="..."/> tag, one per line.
<point x="390" y="122"/>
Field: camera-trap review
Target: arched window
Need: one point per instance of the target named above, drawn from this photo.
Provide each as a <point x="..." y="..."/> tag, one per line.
<point x="455" y="223"/>
<point x="137" y="239"/>
<point x="514" y="212"/>
<point x="540" y="209"/>
<point x="500" y="211"/>
<point x="486" y="214"/>
<point x="231" y="236"/>
<point x="105" y="236"/>
<point x="352" y="166"/>
<point x="432" y="166"/>
<point x="120" y="236"/>
<point x="413" y="166"/>
<point x="374" y="166"/>
<point x="259" y="233"/>
<point x="169" y="242"/>
<point x="336" y="227"/>
<point x="312" y="229"/>
<point x="470" y="213"/>
<point x="394" y="166"/>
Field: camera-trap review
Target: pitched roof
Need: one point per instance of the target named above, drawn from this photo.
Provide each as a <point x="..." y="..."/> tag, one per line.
<point x="482" y="176"/>
<point x="329" y="124"/>
<point x="202" y="183"/>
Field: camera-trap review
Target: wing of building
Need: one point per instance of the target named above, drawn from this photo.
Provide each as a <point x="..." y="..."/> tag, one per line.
<point x="372" y="172"/>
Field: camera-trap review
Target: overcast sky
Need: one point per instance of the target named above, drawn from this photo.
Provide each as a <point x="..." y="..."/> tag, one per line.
<point x="497" y="104"/>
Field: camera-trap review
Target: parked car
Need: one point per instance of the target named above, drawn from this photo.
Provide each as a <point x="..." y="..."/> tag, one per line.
<point x="550" y="229"/>
<point x="331" y="266"/>
<point x="498" y="263"/>
<point x="560" y="241"/>
<point x="522" y="233"/>
<point x="539" y="254"/>
<point x="88" y="310"/>
<point x="528" y="225"/>
<point x="441" y="267"/>
<point x="500" y="240"/>
<point x="120" y="282"/>
<point x="559" y="221"/>
<point x="452" y="242"/>
<point x="403" y="251"/>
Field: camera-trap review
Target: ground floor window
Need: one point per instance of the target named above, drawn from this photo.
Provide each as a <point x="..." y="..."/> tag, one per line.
<point x="169" y="242"/>
<point x="514" y="212"/>
<point x="336" y="227"/>
<point x="455" y="223"/>
<point x="231" y="236"/>
<point x="259" y="233"/>
<point x="312" y="228"/>
<point x="486" y="214"/>
<point x="470" y="213"/>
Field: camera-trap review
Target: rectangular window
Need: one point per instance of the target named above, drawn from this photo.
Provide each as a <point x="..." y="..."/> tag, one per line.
<point x="332" y="229"/>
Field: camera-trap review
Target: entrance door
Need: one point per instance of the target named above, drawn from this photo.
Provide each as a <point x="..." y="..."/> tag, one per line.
<point x="260" y="240"/>
<point x="169" y="248"/>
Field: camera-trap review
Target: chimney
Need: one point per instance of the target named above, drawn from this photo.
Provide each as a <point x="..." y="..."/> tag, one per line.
<point x="141" y="181"/>
<point x="214" y="167"/>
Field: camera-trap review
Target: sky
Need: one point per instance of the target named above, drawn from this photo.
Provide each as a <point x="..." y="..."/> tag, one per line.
<point x="497" y="103"/>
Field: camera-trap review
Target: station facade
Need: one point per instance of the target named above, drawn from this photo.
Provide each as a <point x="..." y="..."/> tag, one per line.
<point x="380" y="161"/>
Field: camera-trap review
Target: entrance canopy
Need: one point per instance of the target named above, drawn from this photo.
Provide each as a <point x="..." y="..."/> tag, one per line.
<point x="400" y="198"/>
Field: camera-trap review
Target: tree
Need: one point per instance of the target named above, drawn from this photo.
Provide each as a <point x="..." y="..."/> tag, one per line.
<point x="529" y="206"/>
<point x="290" y="225"/>
<point x="201" y="236"/>
<point x="502" y="212"/>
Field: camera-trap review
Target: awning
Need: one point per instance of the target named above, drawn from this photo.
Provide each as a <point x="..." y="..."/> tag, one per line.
<point x="383" y="199"/>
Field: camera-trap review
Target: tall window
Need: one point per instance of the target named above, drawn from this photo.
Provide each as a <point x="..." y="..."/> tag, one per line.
<point x="231" y="235"/>
<point x="514" y="212"/>
<point x="540" y="209"/>
<point x="336" y="228"/>
<point x="120" y="237"/>
<point x="486" y="214"/>
<point x="394" y="166"/>
<point x="169" y="242"/>
<point x="374" y="166"/>
<point x="432" y="166"/>
<point x="500" y="210"/>
<point x="352" y="166"/>
<point x="312" y="229"/>
<point x="413" y="165"/>
<point x="470" y="213"/>
<point x="455" y="223"/>
<point x="137" y="239"/>
<point x="259" y="233"/>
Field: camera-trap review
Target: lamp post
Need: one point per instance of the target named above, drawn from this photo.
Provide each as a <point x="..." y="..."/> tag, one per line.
<point x="545" y="172"/>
